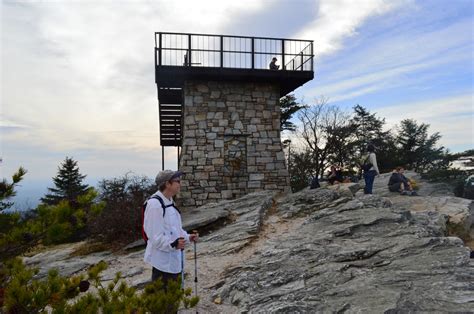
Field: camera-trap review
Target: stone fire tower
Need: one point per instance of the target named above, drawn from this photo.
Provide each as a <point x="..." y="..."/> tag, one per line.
<point x="219" y="104"/>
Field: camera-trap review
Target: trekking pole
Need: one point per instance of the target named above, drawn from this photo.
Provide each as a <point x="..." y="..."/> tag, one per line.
<point x="195" y="269"/>
<point x="182" y="269"/>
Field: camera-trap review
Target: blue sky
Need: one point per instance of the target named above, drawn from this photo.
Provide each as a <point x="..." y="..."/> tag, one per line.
<point x="77" y="76"/>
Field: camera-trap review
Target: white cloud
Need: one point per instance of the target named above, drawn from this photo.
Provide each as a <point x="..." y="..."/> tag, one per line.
<point x="87" y="67"/>
<point x="452" y="117"/>
<point x="339" y="19"/>
<point x="431" y="109"/>
<point x="78" y="74"/>
<point x="389" y="62"/>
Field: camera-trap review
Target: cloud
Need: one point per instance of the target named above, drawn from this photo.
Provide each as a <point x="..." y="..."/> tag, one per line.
<point x="77" y="74"/>
<point x="88" y="66"/>
<point x="78" y="77"/>
<point x="78" y="80"/>
<point x="432" y="109"/>
<point x="339" y="19"/>
<point x="397" y="61"/>
<point x="450" y="116"/>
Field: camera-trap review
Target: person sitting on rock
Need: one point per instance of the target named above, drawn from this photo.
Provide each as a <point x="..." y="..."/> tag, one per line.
<point x="335" y="175"/>
<point x="314" y="183"/>
<point x="399" y="183"/>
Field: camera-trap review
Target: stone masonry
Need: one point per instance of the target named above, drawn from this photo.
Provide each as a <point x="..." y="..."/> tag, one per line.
<point x="231" y="141"/>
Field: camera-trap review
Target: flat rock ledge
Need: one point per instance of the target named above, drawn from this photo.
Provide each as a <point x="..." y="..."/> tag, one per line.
<point x="359" y="256"/>
<point x="325" y="250"/>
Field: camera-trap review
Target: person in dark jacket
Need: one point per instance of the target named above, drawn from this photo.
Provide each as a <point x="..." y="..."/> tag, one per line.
<point x="273" y="65"/>
<point x="335" y="175"/>
<point x="399" y="183"/>
<point x="314" y="183"/>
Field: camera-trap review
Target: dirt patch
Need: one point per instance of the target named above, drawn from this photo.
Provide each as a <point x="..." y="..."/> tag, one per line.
<point x="212" y="269"/>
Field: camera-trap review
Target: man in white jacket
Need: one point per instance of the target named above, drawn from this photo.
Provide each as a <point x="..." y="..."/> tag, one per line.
<point x="369" y="175"/>
<point x="163" y="227"/>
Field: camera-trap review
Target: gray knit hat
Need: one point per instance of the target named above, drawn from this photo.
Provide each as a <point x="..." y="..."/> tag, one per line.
<point x="166" y="175"/>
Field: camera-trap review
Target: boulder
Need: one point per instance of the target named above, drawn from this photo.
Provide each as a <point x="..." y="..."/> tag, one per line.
<point x="60" y="258"/>
<point x="360" y="256"/>
<point x="457" y="212"/>
<point x="345" y="189"/>
<point x="246" y="216"/>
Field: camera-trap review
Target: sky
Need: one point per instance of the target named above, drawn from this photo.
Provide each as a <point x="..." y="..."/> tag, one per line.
<point x="77" y="77"/>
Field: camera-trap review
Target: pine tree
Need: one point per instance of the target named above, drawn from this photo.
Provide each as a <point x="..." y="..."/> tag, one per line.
<point x="8" y="220"/>
<point x="370" y="130"/>
<point x="7" y="190"/>
<point x="21" y="292"/>
<point x="288" y="107"/>
<point x="416" y="149"/>
<point x="68" y="184"/>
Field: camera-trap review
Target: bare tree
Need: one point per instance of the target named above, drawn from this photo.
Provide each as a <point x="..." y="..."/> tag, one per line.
<point x="325" y="130"/>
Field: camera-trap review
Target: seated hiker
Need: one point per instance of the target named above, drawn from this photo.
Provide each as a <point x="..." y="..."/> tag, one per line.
<point x="273" y="65"/>
<point x="399" y="183"/>
<point x="186" y="61"/>
<point x="314" y="183"/>
<point x="335" y="175"/>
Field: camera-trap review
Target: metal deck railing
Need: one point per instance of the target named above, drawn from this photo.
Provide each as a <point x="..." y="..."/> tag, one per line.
<point x="238" y="52"/>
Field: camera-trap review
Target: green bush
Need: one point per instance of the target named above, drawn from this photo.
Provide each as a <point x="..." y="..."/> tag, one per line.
<point x="63" y="222"/>
<point x="50" y="224"/>
<point x="59" y="233"/>
<point x="57" y="294"/>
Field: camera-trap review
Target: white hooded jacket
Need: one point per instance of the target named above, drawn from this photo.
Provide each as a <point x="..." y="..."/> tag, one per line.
<point x="161" y="232"/>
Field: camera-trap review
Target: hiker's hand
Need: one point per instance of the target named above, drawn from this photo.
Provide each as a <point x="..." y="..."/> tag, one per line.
<point x="193" y="237"/>
<point x="181" y="243"/>
<point x="178" y="244"/>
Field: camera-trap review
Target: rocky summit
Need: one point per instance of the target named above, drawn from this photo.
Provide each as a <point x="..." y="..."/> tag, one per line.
<point x="331" y="249"/>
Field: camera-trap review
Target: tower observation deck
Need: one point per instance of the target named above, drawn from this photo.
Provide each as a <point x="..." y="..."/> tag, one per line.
<point x="181" y="57"/>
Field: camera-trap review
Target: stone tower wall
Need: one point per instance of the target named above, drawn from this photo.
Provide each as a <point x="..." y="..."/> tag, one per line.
<point x="231" y="141"/>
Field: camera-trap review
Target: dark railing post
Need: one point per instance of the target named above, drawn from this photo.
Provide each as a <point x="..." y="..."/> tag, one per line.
<point x="222" y="51"/>
<point x="189" y="51"/>
<point x="159" y="48"/>
<point x="302" y="61"/>
<point x="253" y="53"/>
<point x="162" y="157"/>
<point x="312" y="56"/>
<point x="283" y="54"/>
<point x="178" y="157"/>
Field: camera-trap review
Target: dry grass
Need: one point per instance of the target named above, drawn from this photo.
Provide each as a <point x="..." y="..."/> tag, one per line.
<point x="91" y="247"/>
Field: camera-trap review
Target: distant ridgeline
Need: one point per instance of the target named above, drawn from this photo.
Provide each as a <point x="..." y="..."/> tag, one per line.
<point x="464" y="163"/>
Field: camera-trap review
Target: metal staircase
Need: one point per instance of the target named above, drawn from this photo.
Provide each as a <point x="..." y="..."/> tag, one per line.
<point x="171" y="115"/>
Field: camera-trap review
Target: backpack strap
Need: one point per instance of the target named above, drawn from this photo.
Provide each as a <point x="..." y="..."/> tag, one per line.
<point x="163" y="204"/>
<point x="144" y="235"/>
